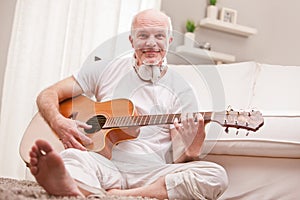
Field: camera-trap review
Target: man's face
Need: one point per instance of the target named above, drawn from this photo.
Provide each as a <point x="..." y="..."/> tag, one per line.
<point x="150" y="44"/>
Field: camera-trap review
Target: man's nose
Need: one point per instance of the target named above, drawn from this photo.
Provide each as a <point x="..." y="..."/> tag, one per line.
<point x="151" y="41"/>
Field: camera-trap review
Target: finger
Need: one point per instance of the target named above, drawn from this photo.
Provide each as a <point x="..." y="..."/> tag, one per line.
<point x="184" y="121"/>
<point x="75" y="144"/>
<point x="200" y="119"/>
<point x="83" y="125"/>
<point x="190" y="118"/>
<point x="83" y="138"/>
<point x="176" y="123"/>
<point x="65" y="145"/>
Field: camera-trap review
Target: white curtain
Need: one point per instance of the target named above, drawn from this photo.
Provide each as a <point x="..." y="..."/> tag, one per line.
<point x="50" y="39"/>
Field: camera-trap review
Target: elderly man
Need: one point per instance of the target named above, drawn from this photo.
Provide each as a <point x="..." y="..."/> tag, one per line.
<point x="163" y="161"/>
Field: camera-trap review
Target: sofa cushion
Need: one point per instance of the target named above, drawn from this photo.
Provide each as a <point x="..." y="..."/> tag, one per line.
<point x="278" y="137"/>
<point x="271" y="89"/>
<point x="276" y="90"/>
<point x="220" y="86"/>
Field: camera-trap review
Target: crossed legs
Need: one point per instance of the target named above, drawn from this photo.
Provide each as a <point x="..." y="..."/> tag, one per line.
<point x="203" y="178"/>
<point x="48" y="168"/>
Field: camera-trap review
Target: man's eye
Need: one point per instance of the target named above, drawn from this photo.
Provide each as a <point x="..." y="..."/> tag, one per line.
<point x="160" y="36"/>
<point x="142" y="36"/>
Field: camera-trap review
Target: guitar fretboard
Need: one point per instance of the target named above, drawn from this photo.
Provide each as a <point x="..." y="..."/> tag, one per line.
<point x="144" y="120"/>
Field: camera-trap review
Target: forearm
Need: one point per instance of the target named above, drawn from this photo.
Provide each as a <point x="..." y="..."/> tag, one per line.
<point x="48" y="105"/>
<point x="49" y="99"/>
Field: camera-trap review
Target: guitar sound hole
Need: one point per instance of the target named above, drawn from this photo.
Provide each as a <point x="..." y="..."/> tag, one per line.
<point x="97" y="123"/>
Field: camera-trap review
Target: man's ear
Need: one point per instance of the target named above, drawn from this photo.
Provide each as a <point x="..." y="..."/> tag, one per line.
<point x="131" y="41"/>
<point x="170" y="40"/>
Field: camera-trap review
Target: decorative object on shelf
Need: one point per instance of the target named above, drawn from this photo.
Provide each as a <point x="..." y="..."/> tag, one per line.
<point x="189" y="36"/>
<point x="212" y="10"/>
<point x="228" y="15"/>
<point x="205" y="45"/>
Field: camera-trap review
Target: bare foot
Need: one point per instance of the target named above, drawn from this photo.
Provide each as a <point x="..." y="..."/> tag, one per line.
<point x="48" y="169"/>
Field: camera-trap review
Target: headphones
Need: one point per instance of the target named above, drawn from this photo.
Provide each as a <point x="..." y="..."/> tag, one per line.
<point x="151" y="73"/>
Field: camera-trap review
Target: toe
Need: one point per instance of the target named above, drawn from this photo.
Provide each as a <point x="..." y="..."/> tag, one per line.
<point x="43" y="146"/>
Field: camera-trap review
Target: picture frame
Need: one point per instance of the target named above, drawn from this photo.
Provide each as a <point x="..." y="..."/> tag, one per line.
<point x="228" y="15"/>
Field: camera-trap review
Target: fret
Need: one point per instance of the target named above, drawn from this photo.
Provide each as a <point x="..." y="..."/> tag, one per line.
<point x="150" y="119"/>
<point x="133" y="120"/>
<point x="123" y="120"/>
<point x="139" y="119"/>
<point x="109" y="121"/>
<point x="143" y="119"/>
<point x="161" y="118"/>
<point x="120" y="121"/>
<point x="147" y="120"/>
<point x="127" y="121"/>
<point x="171" y="118"/>
<point x="155" y="119"/>
<point x="165" y="119"/>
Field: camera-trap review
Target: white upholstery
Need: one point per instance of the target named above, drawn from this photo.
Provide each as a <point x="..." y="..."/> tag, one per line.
<point x="271" y="89"/>
<point x="262" y="164"/>
<point x="277" y="89"/>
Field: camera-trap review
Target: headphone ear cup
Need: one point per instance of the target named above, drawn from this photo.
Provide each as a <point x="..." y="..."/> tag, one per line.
<point x="156" y="74"/>
<point x="149" y="73"/>
<point x="145" y="72"/>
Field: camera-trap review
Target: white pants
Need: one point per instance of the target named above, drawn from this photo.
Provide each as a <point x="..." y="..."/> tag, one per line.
<point x="192" y="180"/>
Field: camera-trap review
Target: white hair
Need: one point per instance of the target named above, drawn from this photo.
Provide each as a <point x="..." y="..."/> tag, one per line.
<point x="170" y="28"/>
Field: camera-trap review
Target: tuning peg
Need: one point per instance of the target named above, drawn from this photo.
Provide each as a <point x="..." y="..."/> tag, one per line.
<point x="228" y="110"/>
<point x="247" y="133"/>
<point x="237" y="132"/>
<point x="226" y="129"/>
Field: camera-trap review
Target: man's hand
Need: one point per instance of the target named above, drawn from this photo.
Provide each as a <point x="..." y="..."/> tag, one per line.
<point x="69" y="133"/>
<point x="189" y="137"/>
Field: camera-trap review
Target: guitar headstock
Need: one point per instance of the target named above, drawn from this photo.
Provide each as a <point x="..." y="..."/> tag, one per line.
<point x="249" y="120"/>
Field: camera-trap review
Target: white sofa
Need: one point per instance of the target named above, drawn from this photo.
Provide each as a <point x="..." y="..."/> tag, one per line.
<point x="264" y="164"/>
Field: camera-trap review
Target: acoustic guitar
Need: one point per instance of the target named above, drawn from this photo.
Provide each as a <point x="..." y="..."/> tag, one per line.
<point x="110" y="119"/>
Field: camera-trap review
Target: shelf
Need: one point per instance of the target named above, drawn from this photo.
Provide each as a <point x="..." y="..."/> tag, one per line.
<point x="228" y="27"/>
<point x="201" y="53"/>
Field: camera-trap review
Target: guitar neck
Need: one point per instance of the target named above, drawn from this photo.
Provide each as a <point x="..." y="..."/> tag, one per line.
<point x="145" y="120"/>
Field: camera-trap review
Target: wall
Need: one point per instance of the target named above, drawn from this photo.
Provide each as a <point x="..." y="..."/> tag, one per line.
<point x="277" y="22"/>
<point x="7" y="9"/>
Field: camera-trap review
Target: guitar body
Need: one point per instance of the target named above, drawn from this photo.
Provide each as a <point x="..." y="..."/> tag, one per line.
<point x="82" y="109"/>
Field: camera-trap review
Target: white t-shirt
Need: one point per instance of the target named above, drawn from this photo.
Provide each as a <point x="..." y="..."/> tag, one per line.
<point x="107" y="80"/>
